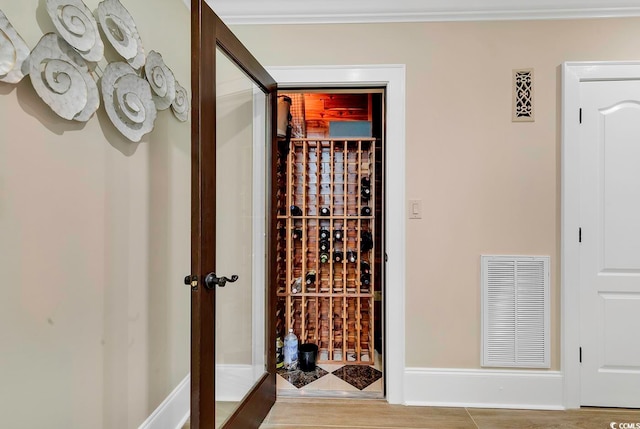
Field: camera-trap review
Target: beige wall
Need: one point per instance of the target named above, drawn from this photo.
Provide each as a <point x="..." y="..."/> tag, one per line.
<point x="489" y="186"/>
<point x="94" y="243"/>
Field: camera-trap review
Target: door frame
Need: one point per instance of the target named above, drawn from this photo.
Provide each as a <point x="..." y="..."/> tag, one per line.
<point x="392" y="77"/>
<point x="207" y="33"/>
<point x="573" y="74"/>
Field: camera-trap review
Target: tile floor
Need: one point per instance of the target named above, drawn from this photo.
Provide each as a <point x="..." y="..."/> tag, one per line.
<point x="306" y="413"/>
<point x="333" y="380"/>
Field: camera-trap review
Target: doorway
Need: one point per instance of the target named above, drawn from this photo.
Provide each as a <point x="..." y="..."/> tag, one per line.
<point x="392" y="78"/>
<point x="330" y="240"/>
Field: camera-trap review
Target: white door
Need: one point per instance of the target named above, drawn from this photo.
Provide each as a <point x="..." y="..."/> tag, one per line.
<point x="610" y="247"/>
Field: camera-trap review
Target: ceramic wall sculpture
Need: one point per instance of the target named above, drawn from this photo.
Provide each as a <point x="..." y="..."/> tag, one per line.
<point x="77" y="26"/>
<point x="121" y="32"/>
<point x="181" y="104"/>
<point x="61" y="77"/>
<point x="128" y="101"/>
<point x="13" y="52"/>
<point x="161" y="79"/>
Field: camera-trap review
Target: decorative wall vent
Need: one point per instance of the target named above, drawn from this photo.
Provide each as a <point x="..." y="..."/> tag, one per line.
<point x="523" y="110"/>
<point x="515" y="311"/>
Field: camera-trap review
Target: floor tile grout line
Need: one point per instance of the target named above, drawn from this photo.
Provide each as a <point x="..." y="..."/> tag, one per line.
<point x="471" y="417"/>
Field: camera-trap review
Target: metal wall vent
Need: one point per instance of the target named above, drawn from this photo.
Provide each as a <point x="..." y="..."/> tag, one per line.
<point x="523" y="109"/>
<point x="515" y="311"/>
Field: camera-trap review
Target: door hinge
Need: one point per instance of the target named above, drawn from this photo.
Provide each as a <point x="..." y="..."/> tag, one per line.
<point x="579" y="235"/>
<point x="580" y="354"/>
<point x="581" y="115"/>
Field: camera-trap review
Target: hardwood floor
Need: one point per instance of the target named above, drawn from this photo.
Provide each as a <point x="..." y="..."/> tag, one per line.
<point x="289" y="413"/>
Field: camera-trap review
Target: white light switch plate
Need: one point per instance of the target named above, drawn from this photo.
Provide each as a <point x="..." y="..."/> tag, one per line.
<point x="415" y="209"/>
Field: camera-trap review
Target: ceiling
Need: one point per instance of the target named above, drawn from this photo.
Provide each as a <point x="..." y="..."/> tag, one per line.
<point x="357" y="11"/>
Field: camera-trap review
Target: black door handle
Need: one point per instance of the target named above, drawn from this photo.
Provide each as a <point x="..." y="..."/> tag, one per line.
<point x="211" y="280"/>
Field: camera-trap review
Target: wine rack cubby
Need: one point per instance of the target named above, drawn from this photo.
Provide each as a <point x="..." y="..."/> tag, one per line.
<point x="326" y="246"/>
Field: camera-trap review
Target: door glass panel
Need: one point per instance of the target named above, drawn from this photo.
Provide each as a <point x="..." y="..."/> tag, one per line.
<point x="240" y="232"/>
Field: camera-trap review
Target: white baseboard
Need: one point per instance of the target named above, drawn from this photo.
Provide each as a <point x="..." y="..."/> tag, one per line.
<point x="174" y="410"/>
<point x="484" y="388"/>
<point x="232" y="384"/>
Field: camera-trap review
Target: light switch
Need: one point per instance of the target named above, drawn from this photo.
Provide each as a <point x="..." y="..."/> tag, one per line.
<point x="415" y="209"/>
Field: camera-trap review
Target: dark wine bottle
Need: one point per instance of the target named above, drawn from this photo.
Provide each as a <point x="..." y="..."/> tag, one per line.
<point x="297" y="234"/>
<point x="352" y="256"/>
<point x="337" y="234"/>
<point x="324" y="257"/>
<point x="365" y="188"/>
<point x="365" y="267"/>
<point x="324" y="234"/>
<point x="365" y="279"/>
<point x="324" y="245"/>
<point x="338" y="256"/>
<point x="310" y="278"/>
<point x="295" y="211"/>
<point x="366" y="241"/>
<point x="365" y="193"/>
<point x="324" y="211"/>
<point x="365" y="211"/>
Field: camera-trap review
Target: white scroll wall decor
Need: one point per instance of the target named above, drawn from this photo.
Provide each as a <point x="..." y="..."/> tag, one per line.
<point x="13" y="52"/>
<point x="61" y="68"/>
<point x="128" y="101"/>
<point x="180" y="106"/>
<point x="161" y="79"/>
<point x="62" y="79"/>
<point x="77" y="26"/>
<point x="121" y="32"/>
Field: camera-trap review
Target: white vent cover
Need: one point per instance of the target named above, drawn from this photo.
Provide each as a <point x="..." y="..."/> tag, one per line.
<point x="515" y="311"/>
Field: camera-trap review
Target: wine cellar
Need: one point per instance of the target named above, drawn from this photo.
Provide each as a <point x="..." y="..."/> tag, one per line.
<point x="326" y="233"/>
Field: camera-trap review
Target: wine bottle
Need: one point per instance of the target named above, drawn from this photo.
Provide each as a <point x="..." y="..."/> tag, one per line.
<point x="366" y="241"/>
<point x="338" y="256"/>
<point x="324" y="246"/>
<point x="365" y="211"/>
<point x="365" y="188"/>
<point x="337" y="234"/>
<point x="365" y="193"/>
<point x="352" y="257"/>
<point x="296" y="211"/>
<point x="310" y="278"/>
<point x="296" y="286"/>
<point x="324" y="257"/>
<point x="324" y="234"/>
<point x="324" y="211"/>
<point x="365" y="279"/>
<point x="365" y="267"/>
<point x="297" y="233"/>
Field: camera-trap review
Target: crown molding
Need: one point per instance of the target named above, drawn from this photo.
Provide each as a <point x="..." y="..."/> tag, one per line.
<point x="246" y="12"/>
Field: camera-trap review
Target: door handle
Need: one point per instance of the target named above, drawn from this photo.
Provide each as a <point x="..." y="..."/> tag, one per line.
<point x="211" y="280"/>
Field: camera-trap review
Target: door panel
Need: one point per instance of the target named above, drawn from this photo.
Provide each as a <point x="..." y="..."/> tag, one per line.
<point x="610" y="249"/>
<point x="233" y="330"/>
<point x="240" y="239"/>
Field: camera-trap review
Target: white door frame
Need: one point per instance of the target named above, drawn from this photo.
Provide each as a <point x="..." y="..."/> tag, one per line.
<point x="573" y="73"/>
<point x="393" y="78"/>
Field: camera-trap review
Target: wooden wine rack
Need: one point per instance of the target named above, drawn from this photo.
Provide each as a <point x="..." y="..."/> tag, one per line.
<point x="334" y="310"/>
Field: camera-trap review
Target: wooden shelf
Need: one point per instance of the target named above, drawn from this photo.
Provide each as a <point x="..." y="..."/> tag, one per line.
<point x="323" y="298"/>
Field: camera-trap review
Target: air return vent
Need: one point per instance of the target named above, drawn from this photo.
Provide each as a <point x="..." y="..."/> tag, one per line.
<point x="515" y="311"/>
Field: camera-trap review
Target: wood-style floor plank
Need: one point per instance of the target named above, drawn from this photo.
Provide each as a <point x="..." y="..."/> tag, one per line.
<point x="570" y="419"/>
<point x="307" y="413"/>
<point x="364" y="414"/>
